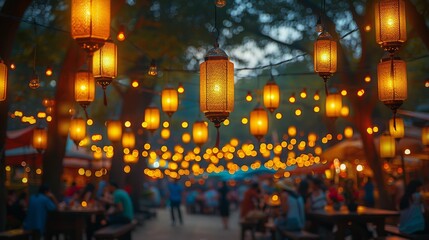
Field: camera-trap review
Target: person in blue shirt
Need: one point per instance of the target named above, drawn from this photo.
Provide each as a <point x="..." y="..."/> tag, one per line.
<point x="123" y="211"/>
<point x="175" y="196"/>
<point x="38" y="208"/>
<point x="411" y="220"/>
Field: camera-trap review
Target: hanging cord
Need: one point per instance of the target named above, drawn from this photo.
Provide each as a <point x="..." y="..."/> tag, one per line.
<point x="392" y="76"/>
<point x="215" y="27"/>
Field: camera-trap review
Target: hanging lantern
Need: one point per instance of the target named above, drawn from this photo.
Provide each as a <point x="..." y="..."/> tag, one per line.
<point x="90" y="23"/>
<point x="334" y="104"/>
<point x="387" y="146"/>
<point x="392" y="82"/>
<point x="258" y="123"/>
<point x="153" y="69"/>
<point x="390" y="24"/>
<point x="180" y="88"/>
<point x="249" y="97"/>
<point x="40" y="139"/>
<point x="325" y="56"/>
<point x="49" y="71"/>
<point x="128" y="139"/>
<point x="425" y="136"/>
<point x="121" y="34"/>
<point x="104" y="65"/>
<point x="271" y="95"/>
<point x="200" y="133"/>
<point x="396" y="128"/>
<point x="216" y="87"/>
<point x="84" y="89"/>
<point x="169" y="100"/>
<point x="77" y="130"/>
<point x="3" y="80"/>
<point x="114" y="130"/>
<point x="34" y="81"/>
<point x="152" y="118"/>
<point x="220" y="3"/>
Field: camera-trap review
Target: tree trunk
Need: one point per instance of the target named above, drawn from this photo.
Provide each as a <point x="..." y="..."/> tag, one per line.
<point x="8" y="28"/>
<point x="58" y="127"/>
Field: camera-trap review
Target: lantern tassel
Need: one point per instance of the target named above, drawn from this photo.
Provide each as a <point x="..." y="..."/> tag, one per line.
<point x="105" y="97"/>
<point x="325" y="80"/>
<point x="394" y="119"/>
<point x="217" y="137"/>
<point x="86" y="113"/>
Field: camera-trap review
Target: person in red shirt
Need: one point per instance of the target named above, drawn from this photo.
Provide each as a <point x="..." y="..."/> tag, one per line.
<point x="250" y="201"/>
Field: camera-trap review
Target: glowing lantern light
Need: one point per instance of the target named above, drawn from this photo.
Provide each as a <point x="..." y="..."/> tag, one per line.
<point x="152" y="118"/>
<point x="180" y="88"/>
<point x="3" y="80"/>
<point x="387" y="146"/>
<point x="200" y="133"/>
<point x="40" y="139"/>
<point x="348" y="132"/>
<point x="249" y="97"/>
<point x="271" y="95"/>
<point x="186" y="137"/>
<point x="169" y="101"/>
<point x="114" y="131"/>
<point x="425" y="136"/>
<point x="216" y="87"/>
<point x="48" y="71"/>
<point x="325" y="56"/>
<point x="396" y="128"/>
<point x="90" y="23"/>
<point x="258" y="123"/>
<point x="153" y="69"/>
<point x="392" y="82"/>
<point x="333" y="105"/>
<point x="390" y="24"/>
<point x="220" y="3"/>
<point x="121" y="34"/>
<point x="128" y="139"/>
<point x="291" y="131"/>
<point x="77" y="130"/>
<point x="104" y="65"/>
<point x="165" y="133"/>
<point x="84" y="89"/>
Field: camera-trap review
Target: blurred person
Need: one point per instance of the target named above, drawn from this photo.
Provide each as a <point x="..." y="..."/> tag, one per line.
<point x="38" y="207"/>
<point x="398" y="191"/>
<point x="317" y="199"/>
<point x="368" y="190"/>
<point x="211" y="199"/>
<point x="303" y="188"/>
<point x="191" y="197"/>
<point x="175" y="192"/>
<point x="224" y="202"/>
<point x="200" y="201"/>
<point x="291" y="215"/>
<point x="411" y="219"/>
<point x="250" y="200"/>
<point x="122" y="210"/>
<point x="15" y="213"/>
<point x="351" y="194"/>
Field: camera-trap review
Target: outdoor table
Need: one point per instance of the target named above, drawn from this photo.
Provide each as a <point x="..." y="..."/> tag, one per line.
<point x="343" y="217"/>
<point x="69" y="221"/>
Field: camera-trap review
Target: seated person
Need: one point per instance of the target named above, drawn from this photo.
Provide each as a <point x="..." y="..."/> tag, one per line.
<point x="122" y="209"/>
<point x="412" y="220"/>
<point x="38" y="208"/>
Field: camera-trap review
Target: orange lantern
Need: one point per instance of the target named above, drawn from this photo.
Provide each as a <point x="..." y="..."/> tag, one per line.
<point x="387" y="146"/>
<point x="128" y="139"/>
<point x="40" y="139"/>
<point x="258" y="123"/>
<point x="325" y="56"/>
<point x="271" y="95"/>
<point x="114" y="130"/>
<point x="90" y="23"/>
<point x="77" y="130"/>
<point x="169" y="100"/>
<point x="104" y="65"/>
<point x="334" y="104"/>
<point x="425" y="136"/>
<point x="200" y="133"/>
<point x="165" y="133"/>
<point x="153" y="69"/>
<point x="84" y="88"/>
<point x="390" y="24"/>
<point x="348" y="132"/>
<point x="152" y="118"/>
<point x="3" y="80"/>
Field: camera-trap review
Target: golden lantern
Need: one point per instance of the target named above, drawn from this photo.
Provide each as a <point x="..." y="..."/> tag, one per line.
<point x="104" y="65"/>
<point x="325" y="56"/>
<point x="165" y="133"/>
<point x="258" y="123"/>
<point x="396" y="128"/>
<point x="3" y="80"/>
<point x="180" y="88"/>
<point x="186" y="137"/>
<point x="334" y="104"/>
<point x="121" y="34"/>
<point x="390" y="24"/>
<point x="84" y="88"/>
<point x="114" y="130"/>
<point x="200" y="133"/>
<point x="425" y="136"/>
<point x="128" y="139"/>
<point x="152" y="118"/>
<point x="216" y="87"/>
<point x="392" y="82"/>
<point x="348" y="132"/>
<point x="40" y="139"/>
<point x="90" y="23"/>
<point x="77" y="130"/>
<point x="271" y="95"/>
<point x="291" y="131"/>
<point x="153" y="69"/>
<point x="387" y="146"/>
<point x="169" y="100"/>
